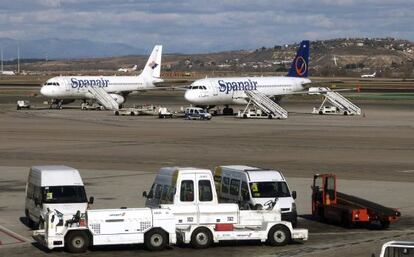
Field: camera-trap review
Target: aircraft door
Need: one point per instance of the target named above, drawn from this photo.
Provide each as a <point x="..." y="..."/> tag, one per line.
<point x="67" y="85"/>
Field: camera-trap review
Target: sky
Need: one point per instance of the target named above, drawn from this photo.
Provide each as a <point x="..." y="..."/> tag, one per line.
<point x="192" y="26"/>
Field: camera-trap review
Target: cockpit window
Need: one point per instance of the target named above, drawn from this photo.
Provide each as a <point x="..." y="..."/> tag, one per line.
<point x="51" y="84"/>
<point x="198" y="87"/>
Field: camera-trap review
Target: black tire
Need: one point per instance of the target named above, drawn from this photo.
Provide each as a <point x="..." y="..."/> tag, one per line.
<point x="231" y="112"/>
<point x="279" y="235"/>
<point x="320" y="112"/>
<point x="201" y="238"/>
<point x="77" y="242"/>
<point x="18" y="108"/>
<point x="29" y="221"/>
<point x="116" y="113"/>
<point x="244" y="116"/>
<point x="132" y="114"/>
<point x="156" y="239"/>
<point x="270" y="116"/>
<point x="345" y="113"/>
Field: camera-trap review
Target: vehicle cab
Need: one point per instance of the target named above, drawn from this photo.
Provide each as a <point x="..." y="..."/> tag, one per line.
<point x="252" y="187"/>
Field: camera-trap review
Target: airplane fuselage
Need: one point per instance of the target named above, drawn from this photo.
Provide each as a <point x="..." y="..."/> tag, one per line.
<point x="227" y="91"/>
<point x="74" y="87"/>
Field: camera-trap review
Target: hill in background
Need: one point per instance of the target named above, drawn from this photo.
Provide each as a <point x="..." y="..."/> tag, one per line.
<point x="389" y="57"/>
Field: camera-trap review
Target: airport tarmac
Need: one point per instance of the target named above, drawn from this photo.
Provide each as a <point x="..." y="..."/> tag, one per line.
<point x="118" y="157"/>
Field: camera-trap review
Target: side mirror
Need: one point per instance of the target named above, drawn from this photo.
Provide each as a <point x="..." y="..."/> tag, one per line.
<point x="294" y="195"/>
<point x="144" y="194"/>
<point x="91" y="200"/>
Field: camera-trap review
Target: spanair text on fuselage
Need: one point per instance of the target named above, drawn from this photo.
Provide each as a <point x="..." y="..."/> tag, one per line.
<point x="78" y="86"/>
<point x="232" y="90"/>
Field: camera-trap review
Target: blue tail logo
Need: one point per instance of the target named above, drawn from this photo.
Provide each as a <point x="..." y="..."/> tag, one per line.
<point x="299" y="67"/>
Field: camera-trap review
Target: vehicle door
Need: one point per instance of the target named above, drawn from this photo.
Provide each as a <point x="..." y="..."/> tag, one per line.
<point x="185" y="208"/>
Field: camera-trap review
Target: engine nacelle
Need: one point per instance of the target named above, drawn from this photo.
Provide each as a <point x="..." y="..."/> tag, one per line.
<point x="118" y="98"/>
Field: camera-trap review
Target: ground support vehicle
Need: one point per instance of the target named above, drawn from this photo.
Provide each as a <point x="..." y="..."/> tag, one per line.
<point x="252" y="114"/>
<point x="326" y="110"/>
<point x="252" y="187"/>
<point x="213" y="227"/>
<point x="191" y="196"/>
<point x="94" y="106"/>
<point x="23" y="104"/>
<point x="55" y="187"/>
<point x="397" y="249"/>
<point x="155" y="228"/>
<point x="332" y="206"/>
<point x="163" y="113"/>
<point x="196" y="113"/>
<point x="137" y="110"/>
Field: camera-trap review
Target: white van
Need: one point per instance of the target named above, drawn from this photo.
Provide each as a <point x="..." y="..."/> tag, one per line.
<point x="252" y="187"/>
<point x="56" y="188"/>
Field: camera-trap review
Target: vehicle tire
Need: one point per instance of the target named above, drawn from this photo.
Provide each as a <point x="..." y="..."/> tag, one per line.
<point x="18" y="108"/>
<point x="320" y="112"/>
<point x="132" y="114"/>
<point x="156" y="239"/>
<point x="77" y="242"/>
<point x="270" y="116"/>
<point x="231" y="112"/>
<point x="116" y="113"/>
<point x="345" y="113"/>
<point x="279" y="235"/>
<point x="29" y="221"/>
<point x="201" y="238"/>
<point x="385" y="224"/>
<point x="244" y="116"/>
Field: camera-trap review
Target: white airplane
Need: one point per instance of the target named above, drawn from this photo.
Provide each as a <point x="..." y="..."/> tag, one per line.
<point x="6" y="72"/>
<point x="134" y="68"/>
<point x="369" y="75"/>
<point x="66" y="89"/>
<point x="210" y="92"/>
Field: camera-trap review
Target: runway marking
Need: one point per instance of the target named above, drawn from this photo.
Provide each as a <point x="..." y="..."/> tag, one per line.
<point x="360" y="232"/>
<point x="406" y="171"/>
<point x="15" y="237"/>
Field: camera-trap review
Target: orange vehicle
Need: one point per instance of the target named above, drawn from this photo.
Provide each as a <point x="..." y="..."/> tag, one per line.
<point x="332" y="206"/>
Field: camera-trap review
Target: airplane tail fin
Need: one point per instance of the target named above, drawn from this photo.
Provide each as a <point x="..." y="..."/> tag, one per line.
<point x="300" y="64"/>
<point x="153" y="67"/>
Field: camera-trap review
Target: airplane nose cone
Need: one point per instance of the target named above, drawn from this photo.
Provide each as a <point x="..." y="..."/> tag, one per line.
<point x="45" y="91"/>
<point x="189" y="96"/>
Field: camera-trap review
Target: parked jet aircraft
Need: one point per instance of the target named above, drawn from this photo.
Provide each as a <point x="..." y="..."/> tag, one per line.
<point x="369" y="75"/>
<point x="210" y="92"/>
<point x="66" y="89"/>
<point x="134" y="68"/>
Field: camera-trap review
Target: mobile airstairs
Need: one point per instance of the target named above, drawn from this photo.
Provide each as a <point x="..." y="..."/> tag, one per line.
<point x="343" y="105"/>
<point x="267" y="106"/>
<point x="103" y="98"/>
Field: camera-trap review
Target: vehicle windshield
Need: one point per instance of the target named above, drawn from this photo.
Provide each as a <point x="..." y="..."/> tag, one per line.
<point x="269" y="189"/>
<point x="64" y="194"/>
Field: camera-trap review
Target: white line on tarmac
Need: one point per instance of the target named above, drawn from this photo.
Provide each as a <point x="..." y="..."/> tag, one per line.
<point x="15" y="235"/>
<point x="361" y="232"/>
<point x="406" y="171"/>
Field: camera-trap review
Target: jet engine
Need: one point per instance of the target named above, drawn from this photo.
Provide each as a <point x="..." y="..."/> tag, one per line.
<point x="118" y="98"/>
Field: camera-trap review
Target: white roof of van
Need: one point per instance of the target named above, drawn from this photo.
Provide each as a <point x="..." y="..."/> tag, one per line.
<point x="57" y="175"/>
<point x="257" y="174"/>
<point x="170" y="170"/>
